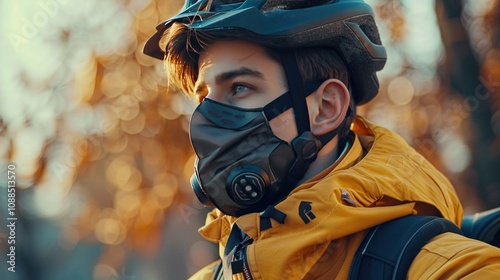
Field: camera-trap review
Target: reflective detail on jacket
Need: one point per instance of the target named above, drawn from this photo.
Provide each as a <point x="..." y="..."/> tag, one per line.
<point x="379" y="179"/>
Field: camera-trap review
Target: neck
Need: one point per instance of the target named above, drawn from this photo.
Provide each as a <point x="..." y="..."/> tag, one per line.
<point x="326" y="157"/>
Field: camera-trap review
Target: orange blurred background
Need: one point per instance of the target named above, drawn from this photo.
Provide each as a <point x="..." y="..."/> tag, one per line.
<point x="100" y="141"/>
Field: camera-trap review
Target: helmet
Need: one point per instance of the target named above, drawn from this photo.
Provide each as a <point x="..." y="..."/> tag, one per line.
<point x="347" y="26"/>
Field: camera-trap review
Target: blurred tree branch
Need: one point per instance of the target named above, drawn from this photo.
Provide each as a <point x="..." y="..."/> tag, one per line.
<point x="462" y="74"/>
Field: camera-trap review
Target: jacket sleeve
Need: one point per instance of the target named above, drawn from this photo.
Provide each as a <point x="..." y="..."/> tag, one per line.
<point x="206" y="273"/>
<point x="453" y="256"/>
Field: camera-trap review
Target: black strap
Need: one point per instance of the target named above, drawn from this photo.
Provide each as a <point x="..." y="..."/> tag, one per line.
<point x="285" y="102"/>
<point x="297" y="90"/>
<point x="271" y="213"/>
<point x="484" y="226"/>
<point x="389" y="249"/>
<point x="234" y="260"/>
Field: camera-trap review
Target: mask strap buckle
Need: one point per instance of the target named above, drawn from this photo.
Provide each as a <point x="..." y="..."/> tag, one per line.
<point x="306" y="148"/>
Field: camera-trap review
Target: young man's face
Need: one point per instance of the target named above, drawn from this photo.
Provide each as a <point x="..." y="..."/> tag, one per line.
<point x="242" y="74"/>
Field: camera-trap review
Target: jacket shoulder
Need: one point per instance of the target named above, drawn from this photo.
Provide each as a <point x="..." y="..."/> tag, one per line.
<point x="453" y="256"/>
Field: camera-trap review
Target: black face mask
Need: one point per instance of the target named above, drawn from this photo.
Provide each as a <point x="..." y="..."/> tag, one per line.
<point x="241" y="166"/>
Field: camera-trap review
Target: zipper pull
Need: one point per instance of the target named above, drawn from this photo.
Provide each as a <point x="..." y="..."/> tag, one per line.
<point x="238" y="261"/>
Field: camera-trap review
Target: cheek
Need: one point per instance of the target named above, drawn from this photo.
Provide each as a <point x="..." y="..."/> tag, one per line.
<point x="283" y="126"/>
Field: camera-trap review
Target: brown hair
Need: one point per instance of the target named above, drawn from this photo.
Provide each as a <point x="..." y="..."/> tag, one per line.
<point x="183" y="46"/>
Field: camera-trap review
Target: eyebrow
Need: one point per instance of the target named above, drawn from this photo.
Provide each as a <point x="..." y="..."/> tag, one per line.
<point x="243" y="71"/>
<point x="226" y="76"/>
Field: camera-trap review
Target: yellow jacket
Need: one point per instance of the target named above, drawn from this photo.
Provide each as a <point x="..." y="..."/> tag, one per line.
<point x="379" y="179"/>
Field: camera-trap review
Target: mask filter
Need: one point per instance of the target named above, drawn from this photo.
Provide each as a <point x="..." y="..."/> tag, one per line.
<point x="247" y="184"/>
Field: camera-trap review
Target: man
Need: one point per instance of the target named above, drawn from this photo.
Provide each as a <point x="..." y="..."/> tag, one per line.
<point x="297" y="187"/>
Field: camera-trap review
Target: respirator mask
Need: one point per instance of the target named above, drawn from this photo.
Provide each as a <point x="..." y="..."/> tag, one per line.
<point x="241" y="166"/>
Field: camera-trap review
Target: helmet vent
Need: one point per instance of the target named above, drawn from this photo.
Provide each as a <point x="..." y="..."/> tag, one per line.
<point x="294" y="4"/>
<point x="224" y="5"/>
<point x="368" y="26"/>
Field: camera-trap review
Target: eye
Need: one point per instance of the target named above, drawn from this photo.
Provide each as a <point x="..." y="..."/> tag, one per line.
<point x="239" y="89"/>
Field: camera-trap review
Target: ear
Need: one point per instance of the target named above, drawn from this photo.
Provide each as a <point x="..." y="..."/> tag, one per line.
<point x="332" y="101"/>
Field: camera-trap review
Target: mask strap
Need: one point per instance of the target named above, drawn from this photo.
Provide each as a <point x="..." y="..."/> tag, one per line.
<point x="297" y="90"/>
<point x="295" y="98"/>
<point x="285" y="102"/>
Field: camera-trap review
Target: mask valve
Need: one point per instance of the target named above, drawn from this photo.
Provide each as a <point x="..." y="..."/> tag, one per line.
<point x="247" y="184"/>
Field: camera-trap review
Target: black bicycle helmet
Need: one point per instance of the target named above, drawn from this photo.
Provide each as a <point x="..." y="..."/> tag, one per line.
<point x="347" y="26"/>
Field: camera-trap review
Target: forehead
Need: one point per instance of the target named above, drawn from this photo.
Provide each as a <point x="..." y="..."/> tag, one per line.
<point x="224" y="56"/>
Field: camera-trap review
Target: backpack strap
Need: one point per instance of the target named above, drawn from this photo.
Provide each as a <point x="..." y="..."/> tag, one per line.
<point x="389" y="249"/>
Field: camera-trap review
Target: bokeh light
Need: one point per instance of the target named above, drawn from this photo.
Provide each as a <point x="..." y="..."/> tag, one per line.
<point x="101" y="144"/>
<point x="400" y="91"/>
